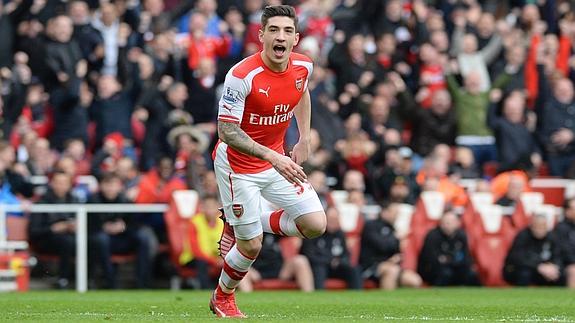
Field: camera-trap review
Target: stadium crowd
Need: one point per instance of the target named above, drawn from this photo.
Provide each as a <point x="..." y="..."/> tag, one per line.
<point x="407" y="97"/>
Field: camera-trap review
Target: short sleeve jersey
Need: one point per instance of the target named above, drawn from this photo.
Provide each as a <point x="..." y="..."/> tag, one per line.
<point x="261" y="101"/>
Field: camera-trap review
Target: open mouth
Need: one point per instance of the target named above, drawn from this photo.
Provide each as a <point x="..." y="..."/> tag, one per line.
<point x="279" y="50"/>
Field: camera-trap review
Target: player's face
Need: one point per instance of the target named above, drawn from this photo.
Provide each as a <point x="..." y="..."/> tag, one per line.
<point x="279" y="37"/>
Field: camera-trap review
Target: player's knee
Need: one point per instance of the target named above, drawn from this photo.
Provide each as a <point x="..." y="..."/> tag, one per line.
<point x="314" y="226"/>
<point x="570" y="271"/>
<point x="250" y="248"/>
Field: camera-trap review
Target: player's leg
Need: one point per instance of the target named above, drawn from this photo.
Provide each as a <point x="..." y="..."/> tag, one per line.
<point x="241" y="202"/>
<point x="236" y="265"/>
<point x="301" y="213"/>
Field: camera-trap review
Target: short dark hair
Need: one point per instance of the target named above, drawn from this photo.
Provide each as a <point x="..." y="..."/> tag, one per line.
<point x="280" y="10"/>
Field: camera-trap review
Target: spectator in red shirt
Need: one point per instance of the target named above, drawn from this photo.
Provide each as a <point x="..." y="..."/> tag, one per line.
<point x="157" y="186"/>
<point x="203" y="46"/>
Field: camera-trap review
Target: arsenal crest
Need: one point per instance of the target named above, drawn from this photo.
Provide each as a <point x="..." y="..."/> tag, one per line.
<point x="299" y="84"/>
<point x="238" y="210"/>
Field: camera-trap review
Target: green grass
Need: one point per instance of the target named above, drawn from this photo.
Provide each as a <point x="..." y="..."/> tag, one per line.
<point x="465" y="304"/>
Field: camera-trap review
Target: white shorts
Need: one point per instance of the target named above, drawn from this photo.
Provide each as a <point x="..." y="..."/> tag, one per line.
<point x="242" y="194"/>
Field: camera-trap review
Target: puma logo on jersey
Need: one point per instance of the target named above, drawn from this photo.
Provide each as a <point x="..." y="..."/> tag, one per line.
<point x="265" y="91"/>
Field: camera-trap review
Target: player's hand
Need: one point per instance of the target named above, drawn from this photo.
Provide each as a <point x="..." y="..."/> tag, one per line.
<point x="301" y="152"/>
<point x="288" y="168"/>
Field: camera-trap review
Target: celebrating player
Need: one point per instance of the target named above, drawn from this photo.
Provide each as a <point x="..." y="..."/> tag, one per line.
<point x="261" y="95"/>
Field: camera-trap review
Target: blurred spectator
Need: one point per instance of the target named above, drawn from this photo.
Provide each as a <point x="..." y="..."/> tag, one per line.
<point x="128" y="172"/>
<point x="397" y="182"/>
<point x="271" y="264"/>
<point x="431" y="74"/>
<point x="470" y="57"/>
<point x="329" y="256"/>
<point x="106" y="158"/>
<point x="54" y="233"/>
<point x="380" y="256"/>
<point x="565" y="234"/>
<point x="354" y="181"/>
<point x="555" y="110"/>
<point x="155" y="18"/>
<point x="516" y="145"/>
<point x="444" y="259"/>
<point x="202" y="90"/>
<point x="471" y="105"/>
<point x="36" y="115"/>
<point x="112" y="108"/>
<point x="80" y="190"/>
<point x="355" y="72"/>
<point x="70" y="105"/>
<point x="13" y="176"/>
<point x="436" y="125"/>
<point x="76" y="149"/>
<point x="534" y="257"/>
<point x="157" y="186"/>
<point x="158" y="106"/>
<point x="205" y="231"/>
<point x="11" y="13"/>
<point x="89" y="39"/>
<point x="320" y="156"/>
<point x="118" y="233"/>
<point x="379" y="124"/>
<point x="14" y="83"/>
<point x="318" y="179"/>
<point x="208" y="8"/>
<point x="7" y="178"/>
<point x="63" y="55"/>
<point x="114" y="35"/>
<point x="189" y="144"/>
<point x="356" y="150"/>
<point x="512" y="196"/>
<point x="433" y="176"/>
<point x="464" y="165"/>
<point x="203" y="46"/>
<point x="42" y="158"/>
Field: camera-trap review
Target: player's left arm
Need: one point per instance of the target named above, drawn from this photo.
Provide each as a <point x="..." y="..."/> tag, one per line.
<point x="302" y="112"/>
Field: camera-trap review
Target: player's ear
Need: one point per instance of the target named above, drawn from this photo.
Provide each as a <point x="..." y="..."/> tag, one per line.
<point x="261" y="35"/>
<point x="296" y="39"/>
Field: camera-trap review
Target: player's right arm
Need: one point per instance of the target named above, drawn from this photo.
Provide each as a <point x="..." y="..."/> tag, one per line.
<point x="230" y="114"/>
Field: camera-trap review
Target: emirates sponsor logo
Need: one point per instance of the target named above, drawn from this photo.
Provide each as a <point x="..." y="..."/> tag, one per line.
<point x="281" y="114"/>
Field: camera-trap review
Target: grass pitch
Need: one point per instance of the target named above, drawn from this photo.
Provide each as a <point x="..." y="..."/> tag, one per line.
<point x="458" y="304"/>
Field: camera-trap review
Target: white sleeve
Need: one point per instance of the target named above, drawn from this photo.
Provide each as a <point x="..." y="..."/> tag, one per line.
<point x="232" y="102"/>
<point x="309" y="72"/>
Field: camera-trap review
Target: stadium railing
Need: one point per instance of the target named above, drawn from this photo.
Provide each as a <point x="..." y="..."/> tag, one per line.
<point x="81" y="211"/>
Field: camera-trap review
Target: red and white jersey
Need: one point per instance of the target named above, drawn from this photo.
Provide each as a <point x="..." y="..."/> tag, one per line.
<point x="262" y="102"/>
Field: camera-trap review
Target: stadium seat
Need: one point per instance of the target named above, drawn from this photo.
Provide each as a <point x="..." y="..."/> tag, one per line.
<point x="471" y="215"/>
<point x="550" y="212"/>
<point x="339" y="196"/>
<point x="530" y="201"/>
<point x="177" y="219"/>
<point x="496" y="234"/>
<point x="402" y="223"/>
<point x="428" y="210"/>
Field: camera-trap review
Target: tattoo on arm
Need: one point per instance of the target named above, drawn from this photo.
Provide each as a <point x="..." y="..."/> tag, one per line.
<point x="235" y="137"/>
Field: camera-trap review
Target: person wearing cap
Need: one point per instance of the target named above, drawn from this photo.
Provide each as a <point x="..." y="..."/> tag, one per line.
<point x="397" y="182"/>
